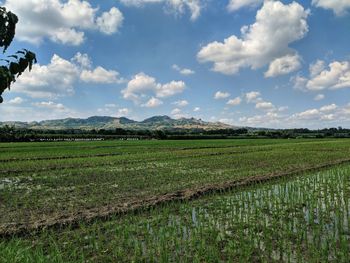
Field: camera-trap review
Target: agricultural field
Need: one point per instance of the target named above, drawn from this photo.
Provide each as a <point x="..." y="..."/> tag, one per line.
<point x="172" y="201"/>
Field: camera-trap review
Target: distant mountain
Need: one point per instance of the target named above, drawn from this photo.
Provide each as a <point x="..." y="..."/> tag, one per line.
<point x="108" y="123"/>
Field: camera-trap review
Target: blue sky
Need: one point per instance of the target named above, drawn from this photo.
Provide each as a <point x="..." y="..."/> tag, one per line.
<point x="244" y="62"/>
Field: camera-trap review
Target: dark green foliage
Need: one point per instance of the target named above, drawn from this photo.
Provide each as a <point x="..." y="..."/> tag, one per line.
<point x="8" y="23"/>
<point x="16" y="64"/>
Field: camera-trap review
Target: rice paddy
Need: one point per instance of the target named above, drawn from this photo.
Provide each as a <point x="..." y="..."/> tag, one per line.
<point x="175" y="201"/>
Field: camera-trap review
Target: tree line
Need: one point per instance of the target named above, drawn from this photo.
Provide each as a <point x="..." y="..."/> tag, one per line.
<point x="13" y="134"/>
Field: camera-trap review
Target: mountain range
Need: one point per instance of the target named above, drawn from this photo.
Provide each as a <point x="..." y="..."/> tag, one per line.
<point x="108" y="123"/>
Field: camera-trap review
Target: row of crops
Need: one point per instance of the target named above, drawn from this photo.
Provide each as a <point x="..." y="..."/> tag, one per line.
<point x="43" y="184"/>
<point x="53" y="197"/>
<point x="302" y="219"/>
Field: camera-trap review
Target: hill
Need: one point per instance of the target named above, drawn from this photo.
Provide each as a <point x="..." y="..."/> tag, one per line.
<point x="109" y="123"/>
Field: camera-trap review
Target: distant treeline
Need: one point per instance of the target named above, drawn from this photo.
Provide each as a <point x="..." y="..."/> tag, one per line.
<point x="12" y="134"/>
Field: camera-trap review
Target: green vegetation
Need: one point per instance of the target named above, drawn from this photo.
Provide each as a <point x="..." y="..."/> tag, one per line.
<point x="89" y="191"/>
<point x="15" y="64"/>
<point x="107" y="128"/>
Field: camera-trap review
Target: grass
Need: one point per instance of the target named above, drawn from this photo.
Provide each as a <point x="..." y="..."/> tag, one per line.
<point x="305" y="219"/>
<point x="46" y="183"/>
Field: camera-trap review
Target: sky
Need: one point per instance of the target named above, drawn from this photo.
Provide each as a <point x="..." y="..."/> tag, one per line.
<point x="277" y="64"/>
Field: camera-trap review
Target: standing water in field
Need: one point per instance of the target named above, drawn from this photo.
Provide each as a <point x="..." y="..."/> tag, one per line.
<point x="305" y="219"/>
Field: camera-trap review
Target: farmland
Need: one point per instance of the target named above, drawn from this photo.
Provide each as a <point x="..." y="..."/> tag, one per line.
<point x="199" y="201"/>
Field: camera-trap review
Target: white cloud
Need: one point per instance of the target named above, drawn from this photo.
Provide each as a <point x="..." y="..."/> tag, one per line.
<point x="16" y="101"/>
<point x="253" y="96"/>
<point x="48" y="81"/>
<point x="68" y="36"/>
<point x="112" y="110"/>
<point x="316" y="68"/>
<point x="83" y="60"/>
<point x="270" y="118"/>
<point x="175" y="111"/>
<point x="36" y="111"/>
<point x="325" y="113"/>
<point x="110" y="22"/>
<point x="183" y="71"/>
<point x="328" y="108"/>
<point x="276" y="26"/>
<point x="50" y="105"/>
<point x="283" y="65"/>
<point x="325" y="116"/>
<point x="196" y="109"/>
<point x="337" y="76"/>
<point x="265" y="106"/>
<point x="142" y="84"/>
<point x="177" y="7"/>
<point x="100" y="75"/>
<point x="234" y="102"/>
<point x="319" y="97"/>
<point x="153" y="103"/>
<point x="221" y="95"/>
<point x="181" y="103"/>
<point x="339" y="7"/>
<point x="170" y="89"/>
<point x="307" y="115"/>
<point x="178" y="114"/>
<point x="283" y="108"/>
<point x="298" y="82"/>
<point x="61" y="21"/>
<point x="235" y="5"/>
<point x="57" y="78"/>
<point x="123" y="112"/>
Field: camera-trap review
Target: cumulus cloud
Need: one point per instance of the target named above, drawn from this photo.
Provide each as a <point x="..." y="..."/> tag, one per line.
<point x="50" y="105"/>
<point x="269" y="119"/>
<point x="49" y="81"/>
<point x="175" y="111"/>
<point x="141" y="85"/>
<point x="112" y="109"/>
<point x="181" y="103"/>
<point x="57" y="78"/>
<point x="123" y="112"/>
<point x="331" y="112"/>
<point x="265" y="106"/>
<point x="61" y="21"/>
<point x="307" y="115"/>
<point x="277" y="25"/>
<point x="339" y="7"/>
<point x="110" y="22"/>
<point x="221" y="95"/>
<point x="325" y="116"/>
<point x="252" y="96"/>
<point x="234" y="102"/>
<point x="16" y="101"/>
<point x="177" y="7"/>
<point x="328" y="108"/>
<point x="100" y="75"/>
<point x="183" y="71"/>
<point x="196" y="109"/>
<point x="153" y="103"/>
<point x="319" y="97"/>
<point x="83" y="60"/>
<point x="321" y="77"/>
<point x="316" y="68"/>
<point x="235" y="5"/>
<point x="337" y="76"/>
<point x="260" y="104"/>
<point x="43" y="110"/>
<point x="283" y="65"/>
